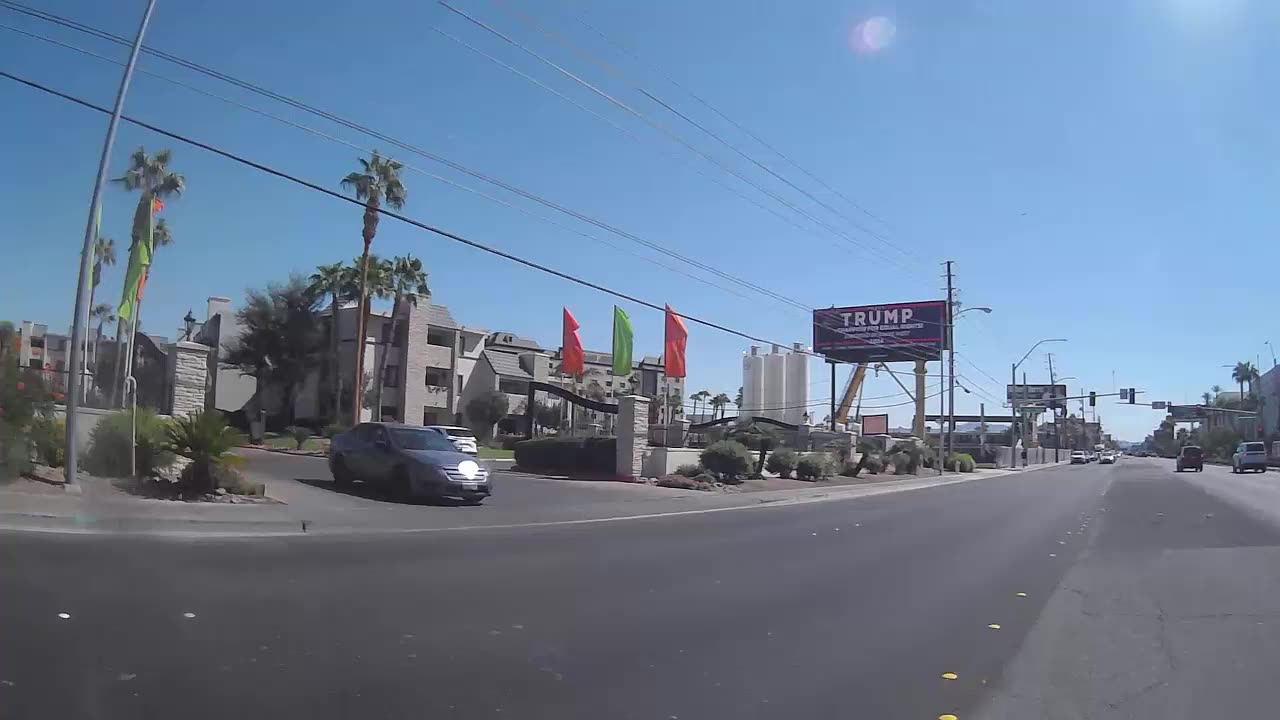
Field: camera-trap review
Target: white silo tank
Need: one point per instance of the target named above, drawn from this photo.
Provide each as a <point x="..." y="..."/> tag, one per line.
<point x="775" y="383"/>
<point x="755" y="382"/>
<point x="797" y="395"/>
<point x="746" y="383"/>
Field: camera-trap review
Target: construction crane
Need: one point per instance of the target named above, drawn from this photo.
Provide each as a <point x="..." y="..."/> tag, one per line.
<point x="850" y="393"/>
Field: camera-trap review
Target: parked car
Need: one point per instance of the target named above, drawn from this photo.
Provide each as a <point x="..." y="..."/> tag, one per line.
<point x="1107" y="458"/>
<point x="1249" y="456"/>
<point x="462" y="438"/>
<point x="1190" y="457"/>
<point x="1078" y="457"/>
<point x="408" y="461"/>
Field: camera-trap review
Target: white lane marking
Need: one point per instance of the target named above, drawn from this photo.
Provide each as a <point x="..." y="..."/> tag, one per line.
<point x="64" y="616"/>
<point x="188" y="615"/>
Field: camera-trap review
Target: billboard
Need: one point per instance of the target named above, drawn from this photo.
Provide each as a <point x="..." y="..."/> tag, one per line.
<point x="875" y="424"/>
<point x="898" y="332"/>
<point x="1041" y="395"/>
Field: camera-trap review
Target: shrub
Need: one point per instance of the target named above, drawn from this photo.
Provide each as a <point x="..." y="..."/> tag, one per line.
<point x="964" y="462"/>
<point x="224" y="477"/>
<point x="812" y="467"/>
<point x="300" y="435"/>
<point x="596" y="455"/>
<point x="333" y="429"/>
<point x="507" y="441"/>
<point x="874" y="463"/>
<point x="50" y="437"/>
<point x="206" y="440"/>
<point x="15" y="452"/>
<point x="689" y="470"/>
<point x="685" y="483"/>
<point x="108" y="453"/>
<point x="727" y="459"/>
<point x="782" y="463"/>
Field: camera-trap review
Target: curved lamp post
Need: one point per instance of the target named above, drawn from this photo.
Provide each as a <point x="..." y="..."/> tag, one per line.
<point x="1017" y="421"/>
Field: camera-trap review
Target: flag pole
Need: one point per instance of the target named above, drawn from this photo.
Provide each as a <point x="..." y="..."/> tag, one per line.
<point x="81" y="314"/>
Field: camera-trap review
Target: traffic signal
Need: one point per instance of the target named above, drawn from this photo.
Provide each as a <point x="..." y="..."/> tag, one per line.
<point x="1132" y="393"/>
<point x="1093" y="399"/>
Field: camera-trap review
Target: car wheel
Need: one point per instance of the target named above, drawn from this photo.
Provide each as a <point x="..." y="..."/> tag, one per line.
<point x="341" y="474"/>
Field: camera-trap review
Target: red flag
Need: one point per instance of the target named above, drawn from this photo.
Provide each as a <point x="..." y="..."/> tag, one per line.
<point x="156" y="205"/>
<point x="571" y="355"/>
<point x="673" y="346"/>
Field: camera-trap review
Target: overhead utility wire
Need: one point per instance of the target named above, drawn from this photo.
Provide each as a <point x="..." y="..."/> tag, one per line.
<point x="532" y="22"/>
<point x="49" y="17"/>
<point x="664" y="130"/>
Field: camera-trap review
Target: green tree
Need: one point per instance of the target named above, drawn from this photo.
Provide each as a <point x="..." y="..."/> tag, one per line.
<point x="699" y="397"/>
<point x="331" y="280"/>
<point x="406" y="280"/>
<point x="1242" y="373"/>
<point x="719" y="403"/>
<point x="207" y="441"/>
<point x="376" y="182"/>
<point x="1207" y="398"/>
<point x="737" y="400"/>
<point x="103" y="314"/>
<point x="104" y="255"/>
<point x="280" y="339"/>
<point x="485" y="410"/>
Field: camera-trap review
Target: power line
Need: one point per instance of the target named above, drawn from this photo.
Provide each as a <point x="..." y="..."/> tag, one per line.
<point x="662" y="129"/>
<point x="532" y="22"/>
<point x="410" y="166"/>
<point x="49" y="17"/>
<point x="388" y="213"/>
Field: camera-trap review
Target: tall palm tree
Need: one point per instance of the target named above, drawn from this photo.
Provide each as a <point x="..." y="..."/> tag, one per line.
<point x="1207" y="398"/>
<point x="407" y="281"/>
<point x="376" y="286"/>
<point x="104" y="314"/>
<point x="150" y="176"/>
<point x="329" y="280"/>
<point x="719" y="402"/>
<point x="699" y="397"/>
<point x="377" y="181"/>
<point x="1242" y="373"/>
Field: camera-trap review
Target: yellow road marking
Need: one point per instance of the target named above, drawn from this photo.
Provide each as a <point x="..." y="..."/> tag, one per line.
<point x="994" y="626"/>
<point x="949" y="676"/>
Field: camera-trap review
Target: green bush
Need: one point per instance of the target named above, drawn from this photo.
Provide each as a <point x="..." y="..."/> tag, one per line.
<point x="15" y="452"/>
<point x="812" y="467"/>
<point x="207" y="441"/>
<point x="508" y="441"/>
<point x="727" y="459"/>
<point x="50" y="437"/>
<point x="782" y="463"/>
<point x="333" y="429"/>
<point x="224" y="477"/>
<point x="593" y="455"/>
<point x="299" y="434"/>
<point x="874" y="463"/>
<point x="689" y="470"/>
<point x="108" y="453"/>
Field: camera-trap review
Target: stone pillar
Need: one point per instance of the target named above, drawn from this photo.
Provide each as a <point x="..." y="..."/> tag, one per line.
<point x="632" y="436"/>
<point x="189" y="365"/>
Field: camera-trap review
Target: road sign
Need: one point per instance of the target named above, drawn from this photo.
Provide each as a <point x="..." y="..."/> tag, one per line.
<point x="1186" y="413"/>
<point x="1124" y="393"/>
<point x="1159" y="404"/>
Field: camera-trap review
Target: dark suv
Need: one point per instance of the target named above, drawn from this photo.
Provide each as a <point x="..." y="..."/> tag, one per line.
<point x="1190" y="457"/>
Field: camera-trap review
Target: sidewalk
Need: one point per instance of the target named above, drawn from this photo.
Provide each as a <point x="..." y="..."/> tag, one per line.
<point x="315" y="510"/>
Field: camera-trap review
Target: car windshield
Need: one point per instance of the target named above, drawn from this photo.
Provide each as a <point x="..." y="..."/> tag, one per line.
<point x="408" y="439"/>
<point x="458" y="432"/>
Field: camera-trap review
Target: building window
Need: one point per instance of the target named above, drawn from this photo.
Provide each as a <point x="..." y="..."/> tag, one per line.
<point x="389" y="413"/>
<point x="513" y="387"/>
<point x="460" y="381"/>
<point x="439" y="338"/>
<point x="437" y="377"/>
<point x="430" y="417"/>
<point x="391" y="378"/>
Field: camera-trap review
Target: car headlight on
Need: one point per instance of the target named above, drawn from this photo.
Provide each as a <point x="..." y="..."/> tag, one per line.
<point x="469" y="469"/>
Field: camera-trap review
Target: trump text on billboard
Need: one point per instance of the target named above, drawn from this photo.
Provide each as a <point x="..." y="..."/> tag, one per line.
<point x="899" y="332"/>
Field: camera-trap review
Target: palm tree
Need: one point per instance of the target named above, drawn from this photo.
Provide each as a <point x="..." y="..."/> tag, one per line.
<point x="737" y="400"/>
<point x="698" y="397"/>
<point x="329" y="280"/>
<point x="1207" y="398"/>
<point x="377" y="181"/>
<point x="151" y="177"/>
<point x="1242" y="373"/>
<point x="377" y="286"/>
<point x="406" y="282"/>
<point x="719" y="403"/>
<point x="104" y="314"/>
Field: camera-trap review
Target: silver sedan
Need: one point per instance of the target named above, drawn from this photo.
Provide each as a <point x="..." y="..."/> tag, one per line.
<point x="408" y="461"/>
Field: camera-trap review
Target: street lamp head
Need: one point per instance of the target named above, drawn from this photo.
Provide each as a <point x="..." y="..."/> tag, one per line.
<point x="190" y="323"/>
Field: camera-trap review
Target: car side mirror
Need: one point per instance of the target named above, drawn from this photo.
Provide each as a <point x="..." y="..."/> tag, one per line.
<point x="381" y="444"/>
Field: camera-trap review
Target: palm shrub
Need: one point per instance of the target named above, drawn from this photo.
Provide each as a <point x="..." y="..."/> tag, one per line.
<point x="108" y="453"/>
<point x="812" y="467"/>
<point x="205" y="439"/>
<point x="300" y="435"/>
<point x="782" y="462"/>
<point x="727" y="459"/>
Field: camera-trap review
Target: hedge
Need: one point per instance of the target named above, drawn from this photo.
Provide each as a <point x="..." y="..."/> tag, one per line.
<point x="596" y="455"/>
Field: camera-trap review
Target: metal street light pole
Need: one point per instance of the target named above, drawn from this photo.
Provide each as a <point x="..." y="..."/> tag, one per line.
<point x="81" y="313"/>
<point x="951" y="361"/>
<point x="1015" y="429"/>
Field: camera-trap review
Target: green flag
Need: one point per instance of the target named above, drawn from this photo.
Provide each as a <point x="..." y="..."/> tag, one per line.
<point x="621" y="343"/>
<point x="139" y="259"/>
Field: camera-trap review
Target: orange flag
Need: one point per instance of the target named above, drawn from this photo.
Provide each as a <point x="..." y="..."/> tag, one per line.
<point x="673" y="346"/>
<point x="571" y="355"/>
<point x="156" y="205"/>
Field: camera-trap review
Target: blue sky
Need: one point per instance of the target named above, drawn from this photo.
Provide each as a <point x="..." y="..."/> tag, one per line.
<point x="1098" y="170"/>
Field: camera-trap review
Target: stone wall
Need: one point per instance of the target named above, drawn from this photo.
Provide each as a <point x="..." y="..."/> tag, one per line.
<point x="632" y="436"/>
<point x="190" y="366"/>
<point x="417" y="358"/>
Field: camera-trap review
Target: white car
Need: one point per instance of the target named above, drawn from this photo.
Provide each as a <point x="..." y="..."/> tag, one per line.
<point x="1079" y="458"/>
<point x="462" y="438"/>
<point x="1107" y="458"/>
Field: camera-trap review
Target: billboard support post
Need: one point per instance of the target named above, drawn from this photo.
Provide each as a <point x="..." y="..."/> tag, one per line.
<point x="918" y="426"/>
<point x="832" y="363"/>
<point x="1016" y="424"/>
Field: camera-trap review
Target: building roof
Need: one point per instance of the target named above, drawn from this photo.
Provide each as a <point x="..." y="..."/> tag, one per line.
<point x="439" y="316"/>
<point x="506" y="364"/>
<point x="509" y="339"/>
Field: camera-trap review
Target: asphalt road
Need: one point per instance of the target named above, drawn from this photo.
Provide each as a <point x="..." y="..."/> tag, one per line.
<point x="851" y="609"/>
